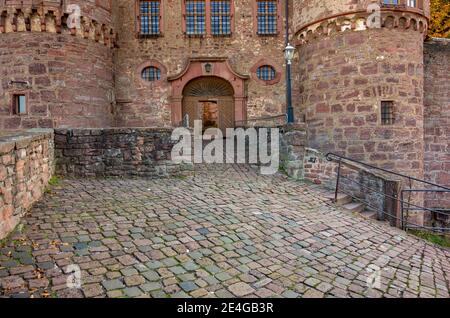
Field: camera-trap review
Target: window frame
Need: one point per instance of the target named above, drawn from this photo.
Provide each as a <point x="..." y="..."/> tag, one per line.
<point x="139" y="33"/>
<point x="15" y="104"/>
<point x="230" y="13"/>
<point x="270" y="69"/>
<point x="151" y="63"/>
<point x="266" y="62"/>
<point x="402" y="4"/>
<point x="208" y="21"/>
<point x="387" y="118"/>
<point x="279" y="22"/>
<point x="185" y="14"/>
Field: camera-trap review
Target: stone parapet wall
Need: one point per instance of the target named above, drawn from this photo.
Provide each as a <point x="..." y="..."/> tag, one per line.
<point x="117" y="152"/>
<point x="26" y="166"/>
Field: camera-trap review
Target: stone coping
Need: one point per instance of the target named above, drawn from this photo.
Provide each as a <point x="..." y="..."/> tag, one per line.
<point x="21" y="139"/>
<point x="110" y="130"/>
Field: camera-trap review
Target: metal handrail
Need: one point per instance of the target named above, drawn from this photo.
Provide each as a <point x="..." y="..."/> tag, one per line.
<point x="330" y="155"/>
<point x="405" y="223"/>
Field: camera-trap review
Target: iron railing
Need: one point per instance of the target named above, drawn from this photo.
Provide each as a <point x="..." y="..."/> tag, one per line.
<point x="402" y="198"/>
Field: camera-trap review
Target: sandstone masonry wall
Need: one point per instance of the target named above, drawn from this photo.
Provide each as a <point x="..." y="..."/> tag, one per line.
<point x="437" y="118"/>
<point x="343" y="79"/>
<point x="71" y="81"/>
<point x="65" y="73"/>
<point x="26" y="166"/>
<point x="118" y="152"/>
<point x="148" y="104"/>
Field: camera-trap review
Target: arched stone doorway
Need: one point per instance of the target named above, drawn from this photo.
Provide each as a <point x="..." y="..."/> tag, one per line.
<point x="206" y="76"/>
<point x="211" y="100"/>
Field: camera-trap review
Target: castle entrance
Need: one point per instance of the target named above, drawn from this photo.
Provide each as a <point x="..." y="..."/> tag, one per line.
<point x="211" y="100"/>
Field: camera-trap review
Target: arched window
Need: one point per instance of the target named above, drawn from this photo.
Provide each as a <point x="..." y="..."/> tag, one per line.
<point x="151" y="74"/>
<point x="266" y="73"/>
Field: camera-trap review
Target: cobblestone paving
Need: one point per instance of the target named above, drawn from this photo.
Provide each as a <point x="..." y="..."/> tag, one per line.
<point x="223" y="232"/>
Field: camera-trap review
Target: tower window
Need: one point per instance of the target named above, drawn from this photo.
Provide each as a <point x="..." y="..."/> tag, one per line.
<point x="221" y="17"/>
<point x="391" y="2"/>
<point x="19" y="104"/>
<point x="151" y="74"/>
<point x="150" y="17"/>
<point x="387" y="113"/>
<point x="412" y="3"/>
<point x="195" y="17"/>
<point x="267" y="16"/>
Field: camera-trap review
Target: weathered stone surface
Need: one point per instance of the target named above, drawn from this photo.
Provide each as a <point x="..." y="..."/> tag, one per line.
<point x="26" y="166"/>
<point x="116" y="152"/>
<point x="277" y="238"/>
<point x="241" y="289"/>
<point x="437" y="122"/>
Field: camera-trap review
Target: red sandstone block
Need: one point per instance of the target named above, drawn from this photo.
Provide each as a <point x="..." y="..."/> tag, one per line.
<point x="349" y="69"/>
<point x="322" y="108"/>
<point x="37" y="69"/>
<point x="369" y="69"/>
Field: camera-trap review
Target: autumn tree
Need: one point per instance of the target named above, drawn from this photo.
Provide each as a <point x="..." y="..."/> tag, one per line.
<point x="440" y="19"/>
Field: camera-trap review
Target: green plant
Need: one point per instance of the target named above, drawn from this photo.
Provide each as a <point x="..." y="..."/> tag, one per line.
<point x="54" y="181"/>
<point x="437" y="239"/>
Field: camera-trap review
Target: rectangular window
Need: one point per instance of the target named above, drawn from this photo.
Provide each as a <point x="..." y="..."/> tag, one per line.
<point x="393" y="2"/>
<point x="387" y="113"/>
<point x="221" y="17"/>
<point x="412" y="3"/>
<point x="267" y="17"/>
<point x="19" y="104"/>
<point x="195" y="17"/>
<point x="150" y="15"/>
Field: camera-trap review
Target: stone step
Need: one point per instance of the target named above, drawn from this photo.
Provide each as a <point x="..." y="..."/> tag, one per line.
<point x="354" y="207"/>
<point x="342" y="198"/>
<point x="369" y="214"/>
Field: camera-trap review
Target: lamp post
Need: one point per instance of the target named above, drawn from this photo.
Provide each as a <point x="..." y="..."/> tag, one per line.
<point x="289" y="55"/>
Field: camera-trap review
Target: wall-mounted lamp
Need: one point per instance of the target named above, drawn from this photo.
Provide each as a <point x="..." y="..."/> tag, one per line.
<point x="208" y="68"/>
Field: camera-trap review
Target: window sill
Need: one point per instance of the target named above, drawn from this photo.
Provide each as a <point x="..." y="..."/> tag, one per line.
<point x="149" y="36"/>
<point x="195" y="35"/>
<point x="268" y="35"/>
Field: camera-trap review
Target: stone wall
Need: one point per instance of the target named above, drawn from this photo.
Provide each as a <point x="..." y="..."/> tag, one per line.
<point x="71" y="81"/>
<point x="26" y="166"/>
<point x="437" y="118"/>
<point x="65" y="73"/>
<point x="343" y="79"/>
<point x="118" y="152"/>
<point x="373" y="188"/>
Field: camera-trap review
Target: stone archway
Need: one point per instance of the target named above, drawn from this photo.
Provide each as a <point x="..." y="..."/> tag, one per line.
<point x="210" y="99"/>
<point x="204" y="70"/>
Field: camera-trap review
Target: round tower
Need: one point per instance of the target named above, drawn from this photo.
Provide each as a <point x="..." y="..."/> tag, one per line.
<point x="360" y="78"/>
<point x="57" y="56"/>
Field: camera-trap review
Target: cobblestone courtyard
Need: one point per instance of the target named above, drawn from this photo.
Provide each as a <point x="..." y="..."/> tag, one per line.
<point x="223" y="232"/>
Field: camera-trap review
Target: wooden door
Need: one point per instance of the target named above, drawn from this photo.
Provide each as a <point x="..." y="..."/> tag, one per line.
<point x="226" y="113"/>
<point x="191" y="107"/>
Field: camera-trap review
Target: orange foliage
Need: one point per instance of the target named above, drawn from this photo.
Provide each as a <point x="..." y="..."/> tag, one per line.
<point x="440" y="19"/>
